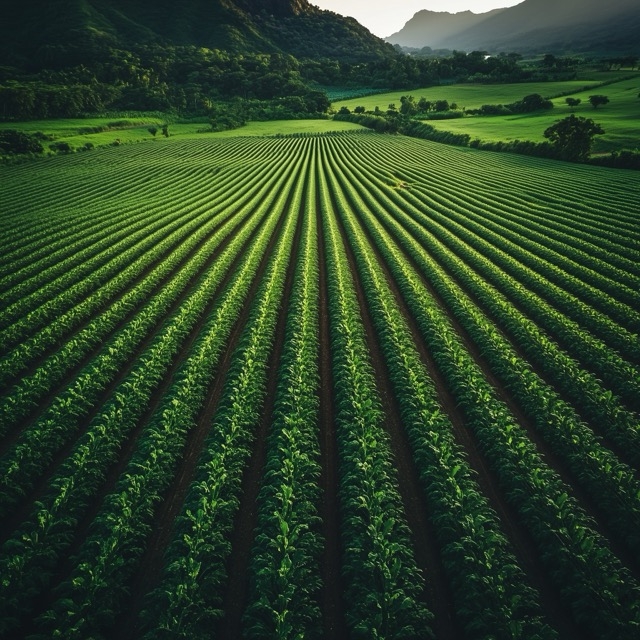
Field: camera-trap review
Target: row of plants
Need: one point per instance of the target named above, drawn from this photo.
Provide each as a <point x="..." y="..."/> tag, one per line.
<point x="454" y="203"/>
<point x="601" y="219"/>
<point x="66" y="243"/>
<point x="562" y="268"/>
<point x="142" y="284"/>
<point x="31" y="236"/>
<point x="285" y="560"/>
<point x="600" y="592"/>
<point x="73" y="200"/>
<point x="101" y="263"/>
<point x="33" y="312"/>
<point x="612" y="484"/>
<point x="587" y="257"/>
<point x="96" y="589"/>
<point x="597" y="403"/>
<point x="65" y="253"/>
<point x="186" y="603"/>
<point x="159" y="291"/>
<point x="493" y="597"/>
<point x="508" y="256"/>
<point x="29" y="556"/>
<point x="39" y="442"/>
<point x="384" y="586"/>
<point x="74" y="244"/>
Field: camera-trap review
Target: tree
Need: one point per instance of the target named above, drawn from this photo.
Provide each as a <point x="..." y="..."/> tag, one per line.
<point x="549" y="61"/>
<point x="15" y="141"/>
<point x="572" y="137"/>
<point x="424" y="105"/>
<point x="532" y="102"/>
<point x="597" y="100"/>
<point x="573" y="102"/>
<point x="165" y="130"/>
<point x="408" y="105"/>
<point x="153" y="131"/>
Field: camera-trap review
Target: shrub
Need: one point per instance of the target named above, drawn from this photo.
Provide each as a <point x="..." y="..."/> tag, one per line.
<point x="13" y="141"/>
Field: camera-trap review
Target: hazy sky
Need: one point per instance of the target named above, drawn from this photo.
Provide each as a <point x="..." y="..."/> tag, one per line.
<point x="384" y="17"/>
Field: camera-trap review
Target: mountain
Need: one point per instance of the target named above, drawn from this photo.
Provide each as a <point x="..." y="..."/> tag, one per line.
<point x="33" y="32"/>
<point x="433" y="28"/>
<point x="533" y="26"/>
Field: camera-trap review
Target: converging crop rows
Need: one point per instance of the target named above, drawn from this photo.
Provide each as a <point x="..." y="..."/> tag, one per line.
<point x="325" y="386"/>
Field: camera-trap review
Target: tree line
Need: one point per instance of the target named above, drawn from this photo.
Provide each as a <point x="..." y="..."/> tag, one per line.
<point x="189" y="79"/>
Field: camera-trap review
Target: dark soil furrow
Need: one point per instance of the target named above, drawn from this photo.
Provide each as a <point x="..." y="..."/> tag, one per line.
<point x="332" y="603"/>
<point x="236" y="597"/>
<point x="520" y="539"/>
<point x="438" y="595"/>
<point x="128" y="447"/>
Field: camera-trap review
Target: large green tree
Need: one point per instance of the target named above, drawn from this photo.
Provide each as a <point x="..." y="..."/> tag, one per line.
<point x="573" y="136"/>
<point x="598" y="100"/>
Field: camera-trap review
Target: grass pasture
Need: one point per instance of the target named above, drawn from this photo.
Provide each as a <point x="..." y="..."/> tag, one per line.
<point x="328" y="385"/>
<point x="71" y="130"/>
<point x="469" y="96"/>
<point x="620" y="118"/>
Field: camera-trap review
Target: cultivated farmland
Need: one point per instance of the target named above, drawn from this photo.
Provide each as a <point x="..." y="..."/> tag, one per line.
<point x="320" y="386"/>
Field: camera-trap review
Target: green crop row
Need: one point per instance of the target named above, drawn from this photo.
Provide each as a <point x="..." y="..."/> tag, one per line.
<point x="383" y="583"/>
<point x="612" y="484"/>
<point x="25" y="395"/>
<point x="601" y="593"/>
<point x="28" y="558"/>
<point x="186" y="604"/>
<point x="68" y="258"/>
<point x="37" y="445"/>
<point x="493" y="598"/>
<point x="285" y="565"/>
<point x="95" y="589"/>
<point x="617" y="243"/>
<point x="487" y="271"/>
<point x="598" y="404"/>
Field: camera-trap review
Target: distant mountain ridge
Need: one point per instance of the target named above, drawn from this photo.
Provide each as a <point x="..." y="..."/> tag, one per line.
<point x="533" y="26"/>
<point x="432" y="28"/>
<point x="33" y="30"/>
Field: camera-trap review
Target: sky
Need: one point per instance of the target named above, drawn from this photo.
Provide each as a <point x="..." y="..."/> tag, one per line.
<point x="383" y="17"/>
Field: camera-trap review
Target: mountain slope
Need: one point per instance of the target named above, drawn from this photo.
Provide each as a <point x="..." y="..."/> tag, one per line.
<point x="433" y="28"/>
<point x="535" y="26"/>
<point x="33" y="32"/>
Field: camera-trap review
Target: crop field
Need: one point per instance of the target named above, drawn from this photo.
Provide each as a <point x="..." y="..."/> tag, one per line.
<point x="318" y="386"/>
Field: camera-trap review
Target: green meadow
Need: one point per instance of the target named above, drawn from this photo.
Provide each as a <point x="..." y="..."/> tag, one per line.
<point x="473" y="96"/>
<point x="620" y="118"/>
<point x="75" y="130"/>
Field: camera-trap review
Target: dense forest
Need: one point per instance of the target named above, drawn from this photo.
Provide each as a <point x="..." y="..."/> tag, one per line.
<point x="188" y="79"/>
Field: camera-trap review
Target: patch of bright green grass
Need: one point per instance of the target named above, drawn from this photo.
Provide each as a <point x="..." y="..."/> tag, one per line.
<point x="620" y="119"/>
<point x="473" y="96"/>
<point x="286" y="127"/>
<point x="468" y="96"/>
<point x="71" y="130"/>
